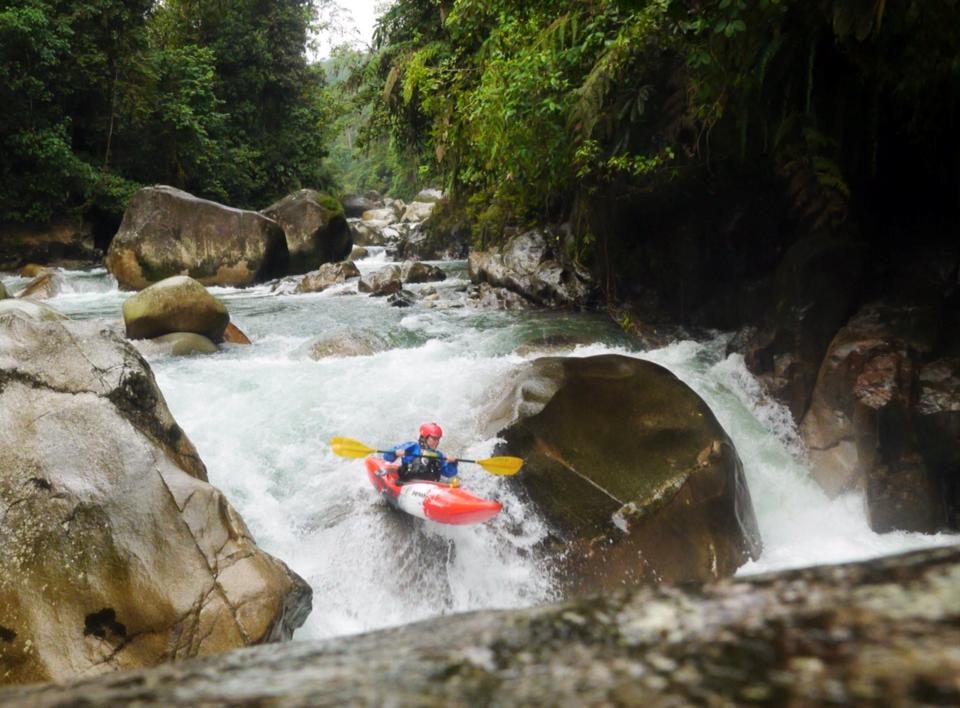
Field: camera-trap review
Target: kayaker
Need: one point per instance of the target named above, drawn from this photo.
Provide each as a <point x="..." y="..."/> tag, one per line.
<point x="422" y="459"/>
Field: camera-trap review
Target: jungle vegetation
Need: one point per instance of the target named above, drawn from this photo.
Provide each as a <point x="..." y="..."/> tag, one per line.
<point x="98" y="97"/>
<point x="531" y="111"/>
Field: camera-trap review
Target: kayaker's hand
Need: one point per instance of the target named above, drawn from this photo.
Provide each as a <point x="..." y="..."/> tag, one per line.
<point x="452" y="460"/>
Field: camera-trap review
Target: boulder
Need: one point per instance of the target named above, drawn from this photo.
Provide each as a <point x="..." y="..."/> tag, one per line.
<point x="369" y="233"/>
<point x="530" y="264"/>
<point x="46" y="285"/>
<point x="882" y="420"/>
<point x="355" y="204"/>
<point x="30" y="310"/>
<point x="419" y="272"/>
<point x="167" y="232"/>
<point x="116" y="551"/>
<point x="3" y="292"/>
<point x="358" y="252"/>
<point x="315" y="227"/>
<point x="186" y="343"/>
<point x="444" y="235"/>
<point x="177" y="304"/>
<point x="417" y="211"/>
<point x="882" y="632"/>
<point x="633" y="471"/>
<point x="385" y="281"/>
<point x="328" y="274"/>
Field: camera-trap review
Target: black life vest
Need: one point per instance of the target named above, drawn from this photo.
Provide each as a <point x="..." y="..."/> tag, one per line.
<point x="429" y="468"/>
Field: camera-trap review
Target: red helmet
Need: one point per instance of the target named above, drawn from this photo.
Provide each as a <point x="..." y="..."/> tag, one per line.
<point x="430" y="430"/>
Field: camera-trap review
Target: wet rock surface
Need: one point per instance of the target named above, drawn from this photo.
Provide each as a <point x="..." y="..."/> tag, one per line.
<point x="177" y="304"/>
<point x="328" y="274"/>
<point x="885" y="420"/>
<point x="116" y="551"/>
<point x="629" y="465"/>
<point x="882" y="632"/>
<point x="531" y="265"/>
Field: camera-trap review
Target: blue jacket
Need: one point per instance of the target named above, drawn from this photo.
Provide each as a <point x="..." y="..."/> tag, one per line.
<point x="407" y="452"/>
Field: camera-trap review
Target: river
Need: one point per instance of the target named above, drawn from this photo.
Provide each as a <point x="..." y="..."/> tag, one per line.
<point x="261" y="417"/>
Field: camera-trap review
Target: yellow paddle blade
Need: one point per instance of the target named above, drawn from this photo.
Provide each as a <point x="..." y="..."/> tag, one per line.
<point x="346" y="447"/>
<point x="501" y="465"/>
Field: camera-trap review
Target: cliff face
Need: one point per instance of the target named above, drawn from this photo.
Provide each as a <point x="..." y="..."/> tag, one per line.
<point x="883" y="631"/>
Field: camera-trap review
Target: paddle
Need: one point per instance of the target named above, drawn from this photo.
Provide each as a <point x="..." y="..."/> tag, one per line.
<point x="346" y="447"/>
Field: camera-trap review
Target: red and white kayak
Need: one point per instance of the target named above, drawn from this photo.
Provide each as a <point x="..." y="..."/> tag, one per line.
<point x="436" y="501"/>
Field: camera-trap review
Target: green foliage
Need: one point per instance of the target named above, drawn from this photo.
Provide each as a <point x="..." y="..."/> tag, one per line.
<point x="523" y="109"/>
<point x="100" y="96"/>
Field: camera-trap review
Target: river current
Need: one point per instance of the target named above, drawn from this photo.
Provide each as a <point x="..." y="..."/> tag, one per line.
<point x="261" y="417"/>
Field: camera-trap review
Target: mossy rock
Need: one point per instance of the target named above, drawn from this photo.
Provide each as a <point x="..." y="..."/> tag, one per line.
<point x="177" y="304"/>
<point x="315" y="227"/>
<point x="633" y="471"/>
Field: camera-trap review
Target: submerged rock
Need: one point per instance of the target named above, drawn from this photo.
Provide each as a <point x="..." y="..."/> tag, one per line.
<point x="883" y="632"/>
<point x="344" y="344"/>
<point x="633" y="471"/>
<point x="116" y="551"/>
<point x="186" y="343"/>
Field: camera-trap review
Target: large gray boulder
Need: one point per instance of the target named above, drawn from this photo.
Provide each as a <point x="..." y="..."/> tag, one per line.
<point x="531" y="264"/>
<point x="315" y="227"/>
<point x="177" y="304"/>
<point x="166" y="232"/>
<point x="633" y="471"/>
<point x="116" y="552"/>
<point x="884" y="632"/>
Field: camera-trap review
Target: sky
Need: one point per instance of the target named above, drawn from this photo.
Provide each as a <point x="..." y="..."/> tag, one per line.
<point x="356" y="18"/>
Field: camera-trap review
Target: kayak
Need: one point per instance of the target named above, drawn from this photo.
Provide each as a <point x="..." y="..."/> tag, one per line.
<point x="437" y="501"/>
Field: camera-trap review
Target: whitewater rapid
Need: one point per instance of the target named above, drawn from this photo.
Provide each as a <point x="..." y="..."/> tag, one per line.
<point x="261" y="417"/>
